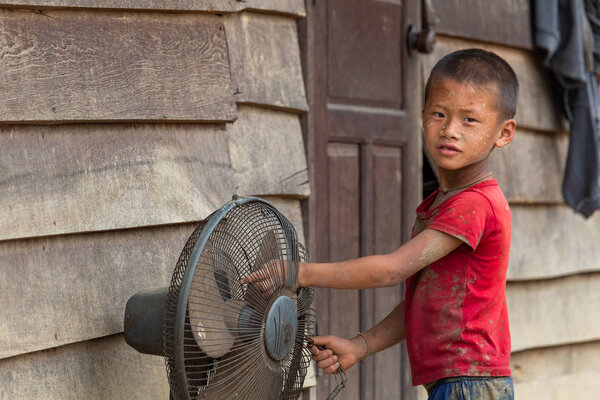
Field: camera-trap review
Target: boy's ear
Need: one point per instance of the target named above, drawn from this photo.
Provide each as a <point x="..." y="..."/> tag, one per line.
<point x="507" y="133"/>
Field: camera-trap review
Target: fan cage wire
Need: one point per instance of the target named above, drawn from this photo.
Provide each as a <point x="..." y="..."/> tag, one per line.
<point x="252" y="217"/>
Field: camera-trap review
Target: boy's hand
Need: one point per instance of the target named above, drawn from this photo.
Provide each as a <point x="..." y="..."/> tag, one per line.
<point x="338" y="352"/>
<point x="271" y="276"/>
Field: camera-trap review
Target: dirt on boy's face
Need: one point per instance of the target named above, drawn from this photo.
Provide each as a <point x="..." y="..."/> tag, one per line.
<point x="462" y="125"/>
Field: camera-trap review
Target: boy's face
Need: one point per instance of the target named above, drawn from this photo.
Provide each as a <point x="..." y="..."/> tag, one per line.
<point x="462" y="125"/>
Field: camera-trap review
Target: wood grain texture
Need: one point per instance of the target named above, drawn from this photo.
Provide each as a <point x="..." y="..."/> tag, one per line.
<point x="265" y="61"/>
<point x="79" y="178"/>
<point x="344" y="231"/>
<point x="387" y="198"/>
<point x="364" y="54"/>
<point x="530" y="169"/>
<point x="507" y="22"/>
<point x="537" y="108"/>
<point x="63" y="65"/>
<point x="291" y="7"/>
<point x="73" y="288"/>
<point x="267" y="153"/>
<point x="552" y="241"/>
<point x="554" y="312"/>
<point x="557" y="373"/>
<point x="95" y="370"/>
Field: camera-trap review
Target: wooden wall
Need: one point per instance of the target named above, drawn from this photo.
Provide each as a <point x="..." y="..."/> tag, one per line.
<point x="122" y="124"/>
<point x="553" y="289"/>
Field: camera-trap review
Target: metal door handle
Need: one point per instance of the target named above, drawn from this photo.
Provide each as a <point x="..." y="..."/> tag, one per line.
<point x="423" y="40"/>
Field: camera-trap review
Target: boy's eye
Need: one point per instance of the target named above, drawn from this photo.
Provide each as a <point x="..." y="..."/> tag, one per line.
<point x="469" y="119"/>
<point x="438" y="114"/>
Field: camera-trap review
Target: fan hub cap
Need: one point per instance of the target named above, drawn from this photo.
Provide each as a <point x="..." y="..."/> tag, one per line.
<point x="281" y="327"/>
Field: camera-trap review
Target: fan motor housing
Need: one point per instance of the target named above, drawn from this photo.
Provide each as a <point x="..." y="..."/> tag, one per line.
<point x="144" y="320"/>
<point x="281" y="327"/>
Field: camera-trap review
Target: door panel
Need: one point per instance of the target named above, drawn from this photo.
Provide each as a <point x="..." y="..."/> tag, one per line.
<point x="344" y="206"/>
<point x="363" y="150"/>
<point x="386" y="175"/>
<point x="364" y="51"/>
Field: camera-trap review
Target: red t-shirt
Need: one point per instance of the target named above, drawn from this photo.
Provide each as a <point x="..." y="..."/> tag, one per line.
<point x="455" y="309"/>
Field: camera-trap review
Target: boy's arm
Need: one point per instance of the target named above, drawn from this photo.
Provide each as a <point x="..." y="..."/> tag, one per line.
<point x="348" y="352"/>
<point x="380" y="270"/>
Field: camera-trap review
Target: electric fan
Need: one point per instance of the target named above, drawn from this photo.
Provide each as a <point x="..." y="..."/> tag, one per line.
<point x="223" y="339"/>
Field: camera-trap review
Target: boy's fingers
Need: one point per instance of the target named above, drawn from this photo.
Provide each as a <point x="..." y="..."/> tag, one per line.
<point x="321" y="340"/>
<point x="332" y="369"/>
<point x="327" y="363"/>
<point x="255" y="276"/>
<point x="322" y="355"/>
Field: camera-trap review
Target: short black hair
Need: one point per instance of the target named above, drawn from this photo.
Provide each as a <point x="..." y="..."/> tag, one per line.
<point x="480" y="67"/>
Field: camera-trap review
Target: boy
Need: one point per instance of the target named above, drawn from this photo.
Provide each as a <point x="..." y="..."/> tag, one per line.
<point x="454" y="317"/>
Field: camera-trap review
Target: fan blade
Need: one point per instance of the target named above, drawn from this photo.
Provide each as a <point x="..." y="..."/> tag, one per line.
<point x="207" y="308"/>
<point x="244" y="374"/>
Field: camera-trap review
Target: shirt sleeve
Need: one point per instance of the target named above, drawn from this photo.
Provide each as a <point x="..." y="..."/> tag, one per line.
<point x="467" y="216"/>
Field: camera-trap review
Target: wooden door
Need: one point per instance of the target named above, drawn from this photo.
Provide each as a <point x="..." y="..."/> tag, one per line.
<point x="364" y="160"/>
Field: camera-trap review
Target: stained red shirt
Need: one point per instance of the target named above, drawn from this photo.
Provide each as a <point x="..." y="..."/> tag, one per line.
<point x="456" y="317"/>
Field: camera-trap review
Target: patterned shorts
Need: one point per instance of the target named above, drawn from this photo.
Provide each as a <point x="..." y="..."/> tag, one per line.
<point x="472" y="388"/>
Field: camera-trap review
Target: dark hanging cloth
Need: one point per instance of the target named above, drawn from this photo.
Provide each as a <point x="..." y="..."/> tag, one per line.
<point x="569" y="32"/>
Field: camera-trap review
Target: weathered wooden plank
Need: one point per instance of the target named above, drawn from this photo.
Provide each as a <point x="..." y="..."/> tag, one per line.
<point x="96" y="370"/>
<point x="78" y="178"/>
<point x="265" y="61"/>
<point x="506" y="22"/>
<point x="107" y="267"/>
<point x="267" y="153"/>
<point x="536" y="109"/>
<point x="291" y="7"/>
<point x="552" y="241"/>
<point x="74" y="288"/>
<point x="541" y="158"/>
<point x="64" y="65"/>
<point x="554" y="312"/>
<point x="557" y="373"/>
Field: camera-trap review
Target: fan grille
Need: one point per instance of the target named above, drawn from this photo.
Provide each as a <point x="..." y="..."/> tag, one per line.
<point x="223" y="342"/>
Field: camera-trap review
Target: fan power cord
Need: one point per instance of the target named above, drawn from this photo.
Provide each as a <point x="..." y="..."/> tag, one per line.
<point x="340" y="376"/>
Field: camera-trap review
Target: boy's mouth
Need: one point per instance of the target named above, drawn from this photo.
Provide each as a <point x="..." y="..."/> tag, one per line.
<point x="448" y="149"/>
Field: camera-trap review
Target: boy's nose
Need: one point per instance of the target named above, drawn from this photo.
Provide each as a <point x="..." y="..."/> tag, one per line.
<point x="450" y="131"/>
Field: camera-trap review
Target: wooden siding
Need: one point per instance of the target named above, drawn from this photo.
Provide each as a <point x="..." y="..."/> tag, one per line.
<point x="77" y="178"/>
<point x="541" y="182"/>
<point x="105" y="368"/>
<point x="63" y="66"/>
<point x="266" y="71"/>
<point x="507" y="23"/>
<point x="266" y="154"/>
<point x="98" y="198"/>
<point x="107" y="267"/>
<point x="554" y="272"/>
<point x="557" y="373"/>
<point x="563" y="243"/>
<point x="553" y="312"/>
<point x="291" y="7"/>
